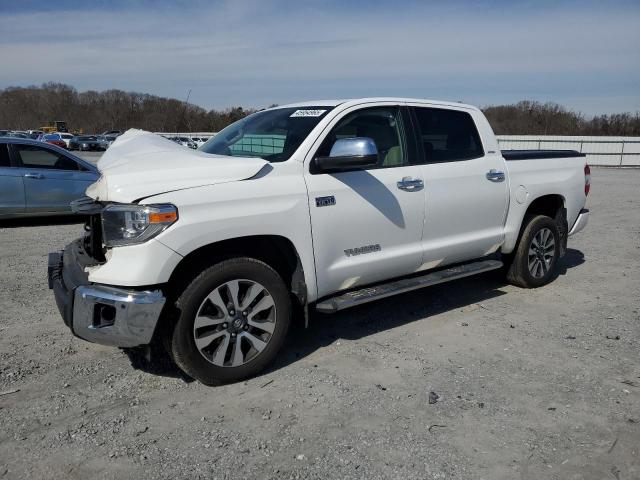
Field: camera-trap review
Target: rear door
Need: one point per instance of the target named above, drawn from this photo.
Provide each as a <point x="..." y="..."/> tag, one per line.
<point x="51" y="179"/>
<point x="11" y="185"/>
<point x="465" y="186"/>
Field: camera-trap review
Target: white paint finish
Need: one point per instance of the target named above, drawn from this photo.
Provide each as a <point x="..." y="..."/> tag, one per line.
<point x="465" y="211"/>
<point x="149" y="263"/>
<point x="463" y="215"/>
<point x="139" y="164"/>
<point x="369" y="210"/>
<point x="274" y="203"/>
<point x="564" y="177"/>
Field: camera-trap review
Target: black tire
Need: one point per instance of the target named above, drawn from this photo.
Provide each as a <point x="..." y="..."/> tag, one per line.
<point x="519" y="271"/>
<point x="183" y="345"/>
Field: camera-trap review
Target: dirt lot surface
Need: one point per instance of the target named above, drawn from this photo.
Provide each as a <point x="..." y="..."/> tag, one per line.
<point x="530" y="384"/>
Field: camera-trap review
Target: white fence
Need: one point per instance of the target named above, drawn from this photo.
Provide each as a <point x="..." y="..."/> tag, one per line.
<point x="609" y="151"/>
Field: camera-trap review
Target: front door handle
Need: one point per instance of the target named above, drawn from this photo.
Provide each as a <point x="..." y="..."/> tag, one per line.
<point x="409" y="184"/>
<point x="494" y="175"/>
<point x="37" y="176"/>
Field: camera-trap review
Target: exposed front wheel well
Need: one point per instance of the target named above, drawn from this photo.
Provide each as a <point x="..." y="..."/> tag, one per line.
<point x="276" y="251"/>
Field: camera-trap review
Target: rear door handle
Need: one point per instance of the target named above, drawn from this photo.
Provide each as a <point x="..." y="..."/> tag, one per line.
<point x="409" y="184"/>
<point x="37" y="176"/>
<point x="495" y="175"/>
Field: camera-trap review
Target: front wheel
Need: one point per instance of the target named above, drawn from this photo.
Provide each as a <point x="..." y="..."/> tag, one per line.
<point x="535" y="260"/>
<point x="233" y="319"/>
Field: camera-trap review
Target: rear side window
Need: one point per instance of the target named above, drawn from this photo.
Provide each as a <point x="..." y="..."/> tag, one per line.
<point x="33" y="156"/>
<point x="447" y="135"/>
<point x="4" y="156"/>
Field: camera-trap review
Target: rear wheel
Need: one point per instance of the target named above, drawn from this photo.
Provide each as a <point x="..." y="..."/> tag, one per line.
<point x="535" y="260"/>
<point x="233" y="319"/>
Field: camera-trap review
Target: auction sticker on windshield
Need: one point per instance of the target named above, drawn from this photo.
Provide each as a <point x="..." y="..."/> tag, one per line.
<point x="307" y="113"/>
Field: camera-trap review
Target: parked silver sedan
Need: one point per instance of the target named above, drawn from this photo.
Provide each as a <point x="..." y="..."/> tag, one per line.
<point x="39" y="179"/>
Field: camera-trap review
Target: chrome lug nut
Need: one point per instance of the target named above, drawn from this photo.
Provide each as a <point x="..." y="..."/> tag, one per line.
<point x="224" y="325"/>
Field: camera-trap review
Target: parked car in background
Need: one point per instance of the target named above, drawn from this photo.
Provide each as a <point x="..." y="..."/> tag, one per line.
<point x="53" y="139"/>
<point x="185" y="141"/>
<point x="40" y="178"/>
<point x="18" y="135"/>
<point x="34" y="134"/>
<point x="111" y="133"/>
<point x="4" y="133"/>
<point x="199" y="140"/>
<point x="105" y="141"/>
<point x="85" y="143"/>
<point x="65" y="137"/>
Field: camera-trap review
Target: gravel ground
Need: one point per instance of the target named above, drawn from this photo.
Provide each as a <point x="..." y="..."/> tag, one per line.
<point x="530" y="383"/>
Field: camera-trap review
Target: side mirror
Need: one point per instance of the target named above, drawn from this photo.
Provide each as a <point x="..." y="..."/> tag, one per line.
<point x="350" y="154"/>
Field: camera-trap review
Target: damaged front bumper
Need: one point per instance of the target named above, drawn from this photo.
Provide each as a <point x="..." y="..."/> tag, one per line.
<point x="102" y="314"/>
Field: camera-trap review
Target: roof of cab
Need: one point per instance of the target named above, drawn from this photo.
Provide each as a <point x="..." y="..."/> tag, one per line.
<point x="357" y="101"/>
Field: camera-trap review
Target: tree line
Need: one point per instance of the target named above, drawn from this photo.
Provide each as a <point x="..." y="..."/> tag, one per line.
<point x="28" y="108"/>
<point x="23" y="108"/>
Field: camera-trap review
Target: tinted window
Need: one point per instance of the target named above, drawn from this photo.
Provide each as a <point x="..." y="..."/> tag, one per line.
<point x="381" y="124"/>
<point x="4" y="156"/>
<point x="447" y="135"/>
<point x="32" y="156"/>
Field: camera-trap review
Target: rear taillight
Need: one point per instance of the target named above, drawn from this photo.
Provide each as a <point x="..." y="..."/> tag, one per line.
<point x="587" y="180"/>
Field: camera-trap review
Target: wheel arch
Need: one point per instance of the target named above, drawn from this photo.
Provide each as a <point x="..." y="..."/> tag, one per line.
<point x="277" y="251"/>
<point x="553" y="206"/>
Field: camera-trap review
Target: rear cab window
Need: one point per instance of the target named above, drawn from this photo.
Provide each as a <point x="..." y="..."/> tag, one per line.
<point x="446" y="135"/>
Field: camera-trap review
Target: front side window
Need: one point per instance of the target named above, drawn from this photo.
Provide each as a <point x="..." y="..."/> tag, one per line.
<point x="32" y="156"/>
<point x="447" y="135"/>
<point x="273" y="135"/>
<point x="381" y="124"/>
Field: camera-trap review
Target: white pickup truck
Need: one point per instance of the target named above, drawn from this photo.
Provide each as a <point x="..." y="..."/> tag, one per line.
<point x="322" y="205"/>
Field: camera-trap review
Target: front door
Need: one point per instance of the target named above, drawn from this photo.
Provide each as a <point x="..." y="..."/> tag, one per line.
<point x="366" y="224"/>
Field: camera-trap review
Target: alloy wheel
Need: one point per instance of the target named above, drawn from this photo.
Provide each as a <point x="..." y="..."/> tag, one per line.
<point x="234" y="323"/>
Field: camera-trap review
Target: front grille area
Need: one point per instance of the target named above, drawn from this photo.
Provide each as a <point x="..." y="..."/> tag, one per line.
<point x="92" y="241"/>
<point x="93" y="238"/>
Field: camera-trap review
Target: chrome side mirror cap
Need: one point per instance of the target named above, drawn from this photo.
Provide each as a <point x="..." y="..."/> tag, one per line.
<point x="350" y="154"/>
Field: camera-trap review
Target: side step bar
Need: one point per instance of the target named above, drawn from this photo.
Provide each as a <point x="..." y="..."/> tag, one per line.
<point x="376" y="292"/>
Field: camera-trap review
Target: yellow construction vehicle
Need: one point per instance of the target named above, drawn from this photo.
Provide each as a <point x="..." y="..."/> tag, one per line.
<point x="58" y="126"/>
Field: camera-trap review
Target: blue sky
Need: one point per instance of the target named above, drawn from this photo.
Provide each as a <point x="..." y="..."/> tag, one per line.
<point x="582" y="54"/>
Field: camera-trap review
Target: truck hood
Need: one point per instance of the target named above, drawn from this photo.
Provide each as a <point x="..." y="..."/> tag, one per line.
<point x="140" y="164"/>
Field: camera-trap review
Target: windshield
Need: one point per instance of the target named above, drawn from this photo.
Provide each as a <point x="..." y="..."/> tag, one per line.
<point x="271" y="134"/>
